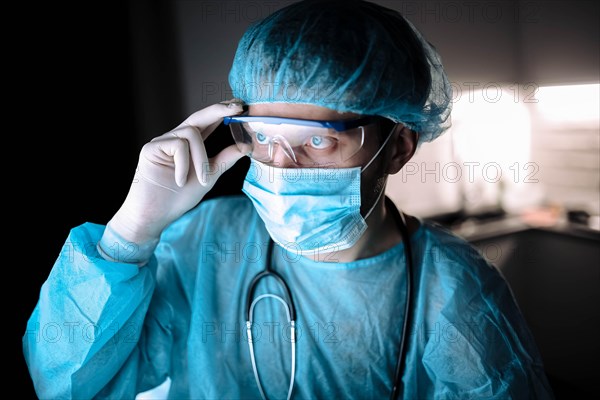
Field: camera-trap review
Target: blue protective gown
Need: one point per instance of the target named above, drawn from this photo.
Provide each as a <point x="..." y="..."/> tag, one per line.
<point x="104" y="329"/>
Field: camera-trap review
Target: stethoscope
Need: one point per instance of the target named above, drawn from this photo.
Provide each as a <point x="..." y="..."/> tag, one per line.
<point x="290" y="309"/>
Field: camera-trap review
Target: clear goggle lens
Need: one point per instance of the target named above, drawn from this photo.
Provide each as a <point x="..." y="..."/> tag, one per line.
<point x="304" y="145"/>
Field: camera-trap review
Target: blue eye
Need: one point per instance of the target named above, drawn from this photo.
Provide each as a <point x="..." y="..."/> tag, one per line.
<point x="261" y="138"/>
<point x="321" y="142"/>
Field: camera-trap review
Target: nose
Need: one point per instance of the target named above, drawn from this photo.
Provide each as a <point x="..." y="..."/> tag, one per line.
<point x="282" y="159"/>
<point x="282" y="155"/>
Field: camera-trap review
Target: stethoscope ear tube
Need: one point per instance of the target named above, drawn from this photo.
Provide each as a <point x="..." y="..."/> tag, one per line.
<point x="292" y="343"/>
<point x="291" y="314"/>
<point x="269" y="272"/>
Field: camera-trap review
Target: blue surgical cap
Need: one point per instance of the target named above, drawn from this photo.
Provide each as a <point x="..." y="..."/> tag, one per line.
<point x="346" y="55"/>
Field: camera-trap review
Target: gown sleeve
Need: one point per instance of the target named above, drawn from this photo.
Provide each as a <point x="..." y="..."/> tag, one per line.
<point x="100" y="328"/>
<point x="480" y="345"/>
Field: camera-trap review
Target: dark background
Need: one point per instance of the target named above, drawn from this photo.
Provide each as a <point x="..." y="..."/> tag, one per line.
<point x="74" y="102"/>
<point x="94" y="82"/>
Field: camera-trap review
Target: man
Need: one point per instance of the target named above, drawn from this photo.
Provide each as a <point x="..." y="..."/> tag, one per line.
<point x="312" y="285"/>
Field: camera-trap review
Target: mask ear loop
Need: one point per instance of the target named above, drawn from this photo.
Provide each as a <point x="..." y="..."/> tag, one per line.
<point x="369" y="163"/>
<point x="380" y="148"/>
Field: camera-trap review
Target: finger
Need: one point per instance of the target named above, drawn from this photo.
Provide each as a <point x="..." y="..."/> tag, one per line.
<point x="196" y="148"/>
<point x="222" y="162"/>
<point x="179" y="150"/>
<point x="207" y="118"/>
<point x="211" y="129"/>
<point x="234" y="100"/>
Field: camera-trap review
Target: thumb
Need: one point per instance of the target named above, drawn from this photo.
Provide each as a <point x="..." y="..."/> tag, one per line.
<point x="220" y="163"/>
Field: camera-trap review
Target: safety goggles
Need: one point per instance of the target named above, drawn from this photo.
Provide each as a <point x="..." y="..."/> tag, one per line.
<point x="305" y="142"/>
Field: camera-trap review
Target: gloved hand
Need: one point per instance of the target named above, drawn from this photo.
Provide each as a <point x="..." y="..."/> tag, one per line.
<point x="173" y="175"/>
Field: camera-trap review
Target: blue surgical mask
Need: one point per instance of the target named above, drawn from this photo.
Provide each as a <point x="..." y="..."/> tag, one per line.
<point x="309" y="210"/>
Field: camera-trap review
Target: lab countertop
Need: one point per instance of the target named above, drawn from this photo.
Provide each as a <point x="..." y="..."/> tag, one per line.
<point x="473" y="230"/>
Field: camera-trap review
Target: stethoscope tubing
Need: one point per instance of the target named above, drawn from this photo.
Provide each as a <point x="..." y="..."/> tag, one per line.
<point x="398" y="386"/>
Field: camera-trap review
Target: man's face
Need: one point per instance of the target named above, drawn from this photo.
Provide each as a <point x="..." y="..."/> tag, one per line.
<point x="372" y="179"/>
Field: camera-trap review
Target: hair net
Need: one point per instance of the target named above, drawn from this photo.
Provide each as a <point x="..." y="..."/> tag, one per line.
<point x="346" y="55"/>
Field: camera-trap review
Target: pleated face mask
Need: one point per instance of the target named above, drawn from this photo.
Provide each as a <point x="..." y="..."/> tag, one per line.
<point x="309" y="210"/>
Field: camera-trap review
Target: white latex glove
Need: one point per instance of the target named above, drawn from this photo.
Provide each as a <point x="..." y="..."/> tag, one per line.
<point x="173" y="175"/>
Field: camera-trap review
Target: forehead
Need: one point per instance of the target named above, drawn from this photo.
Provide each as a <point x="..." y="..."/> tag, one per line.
<point x="301" y="111"/>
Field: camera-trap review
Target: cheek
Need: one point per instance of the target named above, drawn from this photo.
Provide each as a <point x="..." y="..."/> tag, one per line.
<point x="377" y="168"/>
<point x="370" y="193"/>
<point x="373" y="181"/>
<point x="366" y="153"/>
<point x="379" y="185"/>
